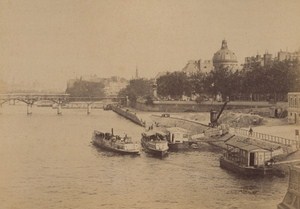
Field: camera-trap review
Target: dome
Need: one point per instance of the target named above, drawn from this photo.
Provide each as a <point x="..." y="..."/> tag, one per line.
<point x="224" y="55"/>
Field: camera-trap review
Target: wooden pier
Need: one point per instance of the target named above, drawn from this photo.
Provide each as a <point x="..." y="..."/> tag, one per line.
<point x="288" y="143"/>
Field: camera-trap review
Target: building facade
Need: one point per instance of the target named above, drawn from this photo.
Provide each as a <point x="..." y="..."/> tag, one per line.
<point x="195" y="66"/>
<point x="267" y="59"/>
<point x="225" y="58"/>
<point x="294" y="107"/>
<point x="292" y="56"/>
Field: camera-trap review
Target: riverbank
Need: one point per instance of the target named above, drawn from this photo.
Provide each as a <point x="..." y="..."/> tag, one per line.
<point x="197" y="123"/>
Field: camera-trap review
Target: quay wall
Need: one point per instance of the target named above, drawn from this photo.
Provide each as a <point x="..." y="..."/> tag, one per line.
<point x="292" y="197"/>
<point x="182" y="106"/>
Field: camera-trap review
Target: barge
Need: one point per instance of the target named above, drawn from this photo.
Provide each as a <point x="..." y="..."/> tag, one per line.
<point x="248" y="157"/>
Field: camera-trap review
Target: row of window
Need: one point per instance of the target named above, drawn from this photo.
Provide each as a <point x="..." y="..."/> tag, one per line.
<point x="294" y="102"/>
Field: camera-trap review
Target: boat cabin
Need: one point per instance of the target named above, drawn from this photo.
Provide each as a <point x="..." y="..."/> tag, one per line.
<point x="250" y="153"/>
<point x="177" y="135"/>
<point x="154" y="135"/>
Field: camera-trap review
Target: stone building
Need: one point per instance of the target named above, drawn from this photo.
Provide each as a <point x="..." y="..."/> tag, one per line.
<point x="194" y="66"/>
<point x="284" y="55"/>
<point x="225" y="58"/>
<point x="258" y="60"/>
<point x="253" y="61"/>
<point x="294" y="107"/>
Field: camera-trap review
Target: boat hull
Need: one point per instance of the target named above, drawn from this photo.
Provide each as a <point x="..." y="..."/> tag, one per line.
<point x="153" y="152"/>
<point x="249" y="171"/>
<point x="179" y="146"/>
<point x="101" y="143"/>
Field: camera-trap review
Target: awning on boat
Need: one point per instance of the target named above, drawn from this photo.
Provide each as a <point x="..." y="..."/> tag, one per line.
<point x="250" y="144"/>
<point x="153" y="133"/>
<point x="177" y="129"/>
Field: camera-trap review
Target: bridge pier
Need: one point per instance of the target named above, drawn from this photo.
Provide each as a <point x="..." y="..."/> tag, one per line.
<point x="59" y="109"/>
<point x="89" y="107"/>
<point x="29" y="109"/>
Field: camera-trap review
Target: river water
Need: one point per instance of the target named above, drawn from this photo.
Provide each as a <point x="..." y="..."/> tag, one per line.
<point x="48" y="161"/>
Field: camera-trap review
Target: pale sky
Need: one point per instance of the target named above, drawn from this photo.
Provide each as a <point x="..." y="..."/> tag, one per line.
<point x="54" y="40"/>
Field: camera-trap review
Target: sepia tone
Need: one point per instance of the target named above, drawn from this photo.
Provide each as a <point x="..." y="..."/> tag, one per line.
<point x="56" y="151"/>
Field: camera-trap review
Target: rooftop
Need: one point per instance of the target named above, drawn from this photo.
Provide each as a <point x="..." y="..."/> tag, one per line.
<point x="250" y="144"/>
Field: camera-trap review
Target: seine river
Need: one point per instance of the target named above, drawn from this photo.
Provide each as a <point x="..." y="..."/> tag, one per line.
<point x="48" y="161"/>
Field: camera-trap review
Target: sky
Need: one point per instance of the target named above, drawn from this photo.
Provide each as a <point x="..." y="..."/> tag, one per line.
<point x="51" y="41"/>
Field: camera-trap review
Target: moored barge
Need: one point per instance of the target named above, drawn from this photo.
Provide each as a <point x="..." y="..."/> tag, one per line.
<point x="249" y="157"/>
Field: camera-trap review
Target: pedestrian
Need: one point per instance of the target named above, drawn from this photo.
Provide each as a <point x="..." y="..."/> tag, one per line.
<point x="250" y="131"/>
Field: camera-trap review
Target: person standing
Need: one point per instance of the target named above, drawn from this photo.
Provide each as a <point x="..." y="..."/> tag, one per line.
<point x="250" y="131"/>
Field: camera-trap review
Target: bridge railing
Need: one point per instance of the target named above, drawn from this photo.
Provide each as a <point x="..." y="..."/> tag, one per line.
<point x="78" y="99"/>
<point x="266" y="137"/>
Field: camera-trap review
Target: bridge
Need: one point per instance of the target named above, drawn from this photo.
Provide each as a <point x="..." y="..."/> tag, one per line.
<point x="58" y="99"/>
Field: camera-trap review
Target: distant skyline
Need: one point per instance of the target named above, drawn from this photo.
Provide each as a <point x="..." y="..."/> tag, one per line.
<point x="55" y="40"/>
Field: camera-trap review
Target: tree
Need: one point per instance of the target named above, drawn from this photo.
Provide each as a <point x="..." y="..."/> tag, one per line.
<point x="219" y="81"/>
<point x="82" y="88"/>
<point x="197" y="81"/>
<point x="137" y="88"/>
<point x="174" y="84"/>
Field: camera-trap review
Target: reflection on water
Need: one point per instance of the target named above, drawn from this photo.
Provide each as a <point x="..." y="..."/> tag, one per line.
<point x="48" y="161"/>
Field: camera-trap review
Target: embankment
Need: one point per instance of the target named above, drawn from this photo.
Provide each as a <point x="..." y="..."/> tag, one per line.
<point x="192" y="106"/>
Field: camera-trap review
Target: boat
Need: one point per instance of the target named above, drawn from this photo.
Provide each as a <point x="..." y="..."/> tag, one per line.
<point x="178" y="139"/>
<point x="250" y="157"/>
<point x="155" y="143"/>
<point x="115" y="143"/>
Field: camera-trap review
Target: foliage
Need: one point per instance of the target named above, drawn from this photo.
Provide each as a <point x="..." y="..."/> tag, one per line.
<point x="200" y="99"/>
<point x="174" y="85"/>
<point x="82" y="88"/>
<point x="197" y="81"/>
<point x="149" y="100"/>
<point x="268" y="82"/>
<point x="220" y="81"/>
<point x="137" y="88"/>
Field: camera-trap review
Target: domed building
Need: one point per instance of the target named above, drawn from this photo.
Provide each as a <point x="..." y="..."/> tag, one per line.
<point x="225" y="58"/>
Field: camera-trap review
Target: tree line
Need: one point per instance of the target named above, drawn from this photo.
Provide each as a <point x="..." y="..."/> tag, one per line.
<point x="84" y="89"/>
<point x="259" y="83"/>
